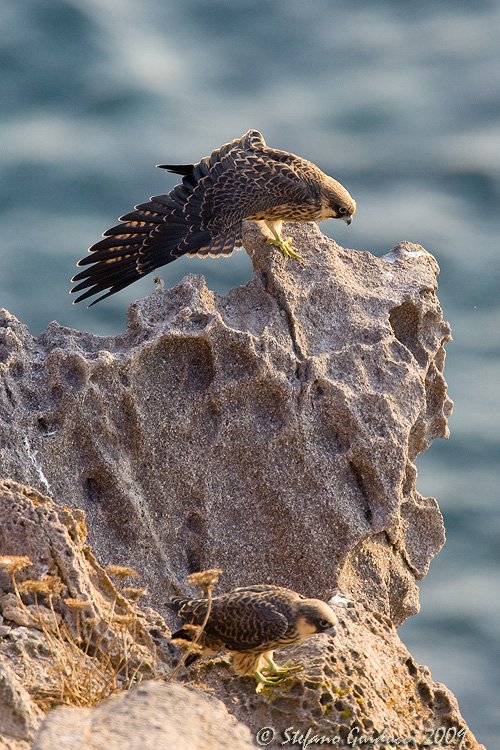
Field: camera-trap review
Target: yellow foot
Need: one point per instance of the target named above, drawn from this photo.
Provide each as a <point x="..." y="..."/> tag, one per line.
<point x="267" y="681"/>
<point x="284" y="246"/>
<point x="287" y="668"/>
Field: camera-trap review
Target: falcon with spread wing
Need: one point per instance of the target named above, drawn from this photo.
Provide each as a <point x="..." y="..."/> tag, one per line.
<point x="244" y="179"/>
<point x="250" y="622"/>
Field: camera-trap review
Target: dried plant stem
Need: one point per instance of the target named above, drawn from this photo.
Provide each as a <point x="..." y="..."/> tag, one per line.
<point x="19" y="597"/>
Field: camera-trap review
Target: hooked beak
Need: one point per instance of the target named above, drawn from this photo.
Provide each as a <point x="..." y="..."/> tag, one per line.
<point x="347" y="219"/>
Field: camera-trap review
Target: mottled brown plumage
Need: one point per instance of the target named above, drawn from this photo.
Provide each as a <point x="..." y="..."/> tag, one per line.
<point x="250" y="622"/>
<point x="244" y="179"/>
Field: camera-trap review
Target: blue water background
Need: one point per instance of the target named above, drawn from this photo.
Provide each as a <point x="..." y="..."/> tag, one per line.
<point x="400" y="101"/>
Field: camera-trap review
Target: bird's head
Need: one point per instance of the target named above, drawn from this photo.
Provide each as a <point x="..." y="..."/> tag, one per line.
<point x="314" y="616"/>
<point x="336" y="201"/>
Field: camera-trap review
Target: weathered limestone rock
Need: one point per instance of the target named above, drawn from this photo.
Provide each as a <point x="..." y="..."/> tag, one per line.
<point x="276" y="423"/>
<point x="151" y="717"/>
<point x="19" y="715"/>
<point x="271" y="433"/>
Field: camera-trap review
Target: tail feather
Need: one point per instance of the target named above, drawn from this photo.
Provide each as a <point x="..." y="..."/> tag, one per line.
<point x="149" y="237"/>
<point x="183" y="169"/>
<point x="126" y="273"/>
<point x="100" y="276"/>
<point x="224" y="244"/>
<point x="117" y="241"/>
<point x="114" y="288"/>
<point x="141" y="225"/>
<point x="191" y="659"/>
<point x="184" y="633"/>
<point x="187" y="635"/>
<point x="107" y="254"/>
<point x="175" y="603"/>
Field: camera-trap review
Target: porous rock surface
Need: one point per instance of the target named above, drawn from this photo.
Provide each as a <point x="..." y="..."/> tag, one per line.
<point x="19" y="714"/>
<point x="277" y="422"/>
<point x="354" y="688"/>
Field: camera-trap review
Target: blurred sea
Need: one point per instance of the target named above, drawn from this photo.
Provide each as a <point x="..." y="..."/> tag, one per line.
<point x="400" y="101"/>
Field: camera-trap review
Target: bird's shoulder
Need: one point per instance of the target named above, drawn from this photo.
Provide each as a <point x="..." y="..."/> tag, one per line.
<point x="301" y="168"/>
<point x="236" y="181"/>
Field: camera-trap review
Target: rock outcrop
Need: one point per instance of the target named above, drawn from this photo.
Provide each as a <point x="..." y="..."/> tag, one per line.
<point x="271" y="433"/>
<point x="150" y="717"/>
<point x="278" y="422"/>
<point x="356" y="686"/>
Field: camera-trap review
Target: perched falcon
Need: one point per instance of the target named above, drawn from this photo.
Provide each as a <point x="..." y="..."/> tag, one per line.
<point x="244" y="179"/>
<point x="250" y="622"/>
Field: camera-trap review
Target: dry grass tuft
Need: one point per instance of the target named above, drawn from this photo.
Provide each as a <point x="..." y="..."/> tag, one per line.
<point x="38" y="587"/>
<point x="205" y="579"/>
<point x="78" y="604"/>
<point x="103" y="656"/>
<point x="134" y="594"/>
<point x="15" y="563"/>
<point x="121" y="572"/>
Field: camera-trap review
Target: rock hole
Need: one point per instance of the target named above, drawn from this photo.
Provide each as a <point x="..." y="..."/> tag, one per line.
<point x="194" y="532"/>
<point x="45" y="427"/>
<point x="405" y="322"/>
<point x="92" y="490"/>
<point x="442" y="702"/>
<point x="425" y="692"/>
<point x="10" y="395"/>
<point x="412" y="667"/>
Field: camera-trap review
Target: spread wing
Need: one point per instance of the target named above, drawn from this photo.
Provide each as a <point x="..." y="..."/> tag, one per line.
<point x="201" y="216"/>
<point x="235" y="182"/>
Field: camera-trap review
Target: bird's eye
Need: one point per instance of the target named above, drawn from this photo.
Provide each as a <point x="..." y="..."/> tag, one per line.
<point x="324" y="624"/>
<point x="342" y="210"/>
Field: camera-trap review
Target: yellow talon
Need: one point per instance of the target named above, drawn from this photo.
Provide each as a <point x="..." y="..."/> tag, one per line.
<point x="267" y="681"/>
<point x="282" y="244"/>
<point x="273" y="669"/>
